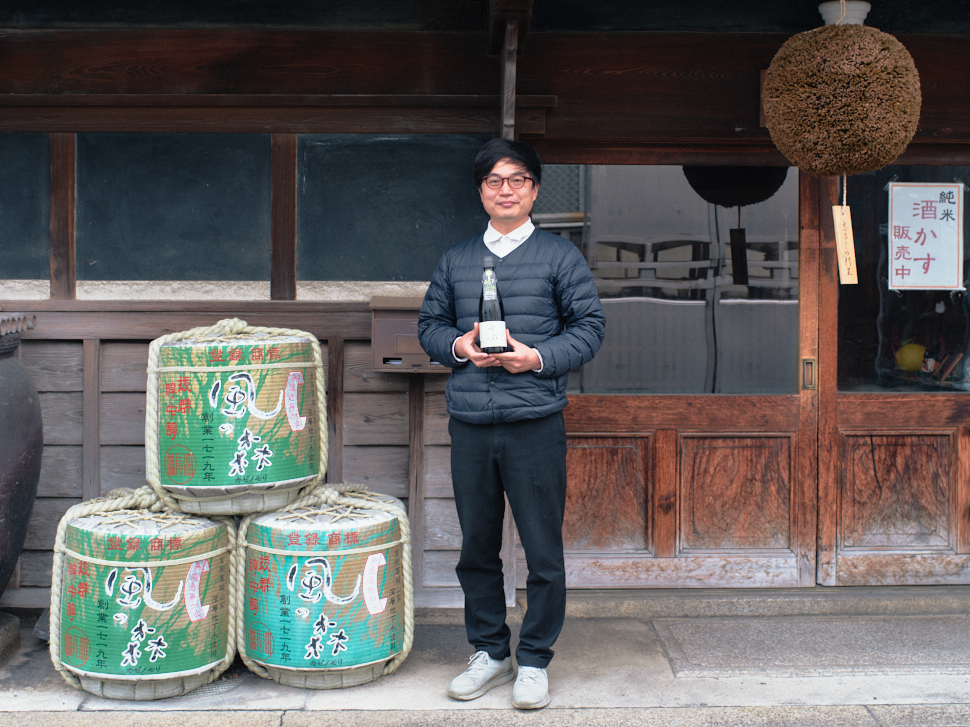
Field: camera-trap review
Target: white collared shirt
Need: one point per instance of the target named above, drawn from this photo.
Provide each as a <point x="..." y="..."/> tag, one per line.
<point x="501" y="245"/>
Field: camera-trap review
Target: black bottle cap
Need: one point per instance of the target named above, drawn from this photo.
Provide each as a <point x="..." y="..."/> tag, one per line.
<point x="489" y="261"/>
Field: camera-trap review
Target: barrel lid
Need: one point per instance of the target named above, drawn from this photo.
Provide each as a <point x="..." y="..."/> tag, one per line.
<point x="247" y="339"/>
<point x="324" y="518"/>
<point x="139" y="535"/>
<point x="143" y="522"/>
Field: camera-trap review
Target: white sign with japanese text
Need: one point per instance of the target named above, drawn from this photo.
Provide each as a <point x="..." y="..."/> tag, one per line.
<point x="925" y="236"/>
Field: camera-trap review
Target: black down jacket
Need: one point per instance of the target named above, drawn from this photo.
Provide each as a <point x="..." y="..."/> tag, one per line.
<point x="550" y="304"/>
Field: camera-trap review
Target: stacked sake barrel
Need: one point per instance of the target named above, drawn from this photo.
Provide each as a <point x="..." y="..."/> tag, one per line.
<point x="153" y="588"/>
<point x="327" y="600"/>
<point x="236" y="418"/>
<point x="141" y="606"/>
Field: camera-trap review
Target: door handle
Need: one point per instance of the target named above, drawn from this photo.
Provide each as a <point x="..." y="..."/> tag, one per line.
<point x="809" y="373"/>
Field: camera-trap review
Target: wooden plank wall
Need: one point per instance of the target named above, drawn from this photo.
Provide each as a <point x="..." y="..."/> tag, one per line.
<point x="57" y="370"/>
<point x="93" y="400"/>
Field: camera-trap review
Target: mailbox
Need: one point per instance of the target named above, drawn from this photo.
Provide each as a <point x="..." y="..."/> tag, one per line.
<point x="394" y="337"/>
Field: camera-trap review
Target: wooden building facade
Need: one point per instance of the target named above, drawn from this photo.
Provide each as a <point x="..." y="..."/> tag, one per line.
<point x="821" y="485"/>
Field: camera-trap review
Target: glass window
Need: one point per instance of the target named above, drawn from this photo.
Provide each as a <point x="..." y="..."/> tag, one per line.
<point x="913" y="340"/>
<point x="173" y="207"/>
<point x="25" y="193"/>
<point x="373" y="207"/>
<point x="688" y="310"/>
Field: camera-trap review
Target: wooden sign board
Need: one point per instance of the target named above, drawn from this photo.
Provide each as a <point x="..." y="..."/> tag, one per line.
<point x="848" y="274"/>
<point x="925" y="236"/>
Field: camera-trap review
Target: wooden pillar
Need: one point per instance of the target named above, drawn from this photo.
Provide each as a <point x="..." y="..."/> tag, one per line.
<point x="508" y="78"/>
<point x="63" y="184"/>
<point x="91" y="421"/>
<point x="416" y="405"/>
<point x="665" y="454"/>
<point x="805" y="496"/>
<point x="282" y="280"/>
<point x="828" y="362"/>
<point x="335" y="410"/>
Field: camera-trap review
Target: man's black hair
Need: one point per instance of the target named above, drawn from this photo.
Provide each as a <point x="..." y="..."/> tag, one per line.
<point x="518" y="152"/>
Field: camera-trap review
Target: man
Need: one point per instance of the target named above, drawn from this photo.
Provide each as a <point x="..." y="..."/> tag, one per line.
<point x="507" y="432"/>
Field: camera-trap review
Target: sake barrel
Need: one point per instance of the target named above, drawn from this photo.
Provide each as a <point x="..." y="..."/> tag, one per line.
<point x="144" y="602"/>
<point x="237" y="427"/>
<point x="324" y="599"/>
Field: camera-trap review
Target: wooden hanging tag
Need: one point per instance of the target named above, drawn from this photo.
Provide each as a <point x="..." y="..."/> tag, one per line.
<point x="845" y="246"/>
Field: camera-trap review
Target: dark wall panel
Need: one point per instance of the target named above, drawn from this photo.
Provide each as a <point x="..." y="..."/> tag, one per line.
<point x="383" y="207"/>
<point x="747" y="16"/>
<point x="792" y="16"/>
<point x="25" y="182"/>
<point x="102" y="13"/>
<point x="173" y="206"/>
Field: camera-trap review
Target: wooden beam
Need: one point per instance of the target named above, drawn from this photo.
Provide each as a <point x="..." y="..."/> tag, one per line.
<point x="306" y="101"/>
<point x="416" y="405"/>
<point x="91" y="418"/>
<point x="617" y="88"/>
<point x="613" y="414"/>
<point x="148" y="325"/>
<point x="216" y="307"/>
<point x="63" y="183"/>
<point x="508" y="78"/>
<point x="626" y="151"/>
<point x="282" y="275"/>
<point x="266" y="114"/>
<point x="234" y="61"/>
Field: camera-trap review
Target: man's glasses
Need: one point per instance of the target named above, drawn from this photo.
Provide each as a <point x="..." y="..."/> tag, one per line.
<point x="516" y="181"/>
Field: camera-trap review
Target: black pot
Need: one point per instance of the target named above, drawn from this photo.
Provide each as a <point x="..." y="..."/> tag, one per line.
<point x="21" y="445"/>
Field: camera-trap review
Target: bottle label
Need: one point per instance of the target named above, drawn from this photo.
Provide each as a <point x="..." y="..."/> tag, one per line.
<point x="491" y="334"/>
<point x="488" y="285"/>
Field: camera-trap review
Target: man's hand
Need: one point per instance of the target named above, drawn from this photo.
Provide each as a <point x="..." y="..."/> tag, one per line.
<point x="521" y="358"/>
<point x="465" y="347"/>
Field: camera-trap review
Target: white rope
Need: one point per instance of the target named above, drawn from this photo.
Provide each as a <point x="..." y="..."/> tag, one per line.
<point x="348" y="494"/>
<point x="226" y="330"/>
<point x="145" y="564"/>
<point x="146" y="502"/>
<point x="315" y="553"/>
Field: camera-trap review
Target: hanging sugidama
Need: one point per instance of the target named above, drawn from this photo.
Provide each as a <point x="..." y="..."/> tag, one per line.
<point x="842" y="99"/>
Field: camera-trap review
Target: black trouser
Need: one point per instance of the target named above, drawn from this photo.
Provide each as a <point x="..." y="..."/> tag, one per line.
<point x="525" y="460"/>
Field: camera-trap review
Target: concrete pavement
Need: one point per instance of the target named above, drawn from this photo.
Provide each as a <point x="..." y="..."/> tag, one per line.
<point x="874" y="657"/>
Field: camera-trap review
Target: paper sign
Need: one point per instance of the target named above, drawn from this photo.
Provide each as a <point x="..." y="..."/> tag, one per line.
<point x="844" y="245"/>
<point x="925" y="236"/>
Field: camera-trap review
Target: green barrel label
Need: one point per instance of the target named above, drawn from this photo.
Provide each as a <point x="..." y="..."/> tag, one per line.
<point x="335" y="602"/>
<point x="237" y="414"/>
<point x="125" y="613"/>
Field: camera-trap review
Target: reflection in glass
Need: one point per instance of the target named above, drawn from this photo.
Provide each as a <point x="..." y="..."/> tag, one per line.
<point x="914" y="340"/>
<point x="681" y="318"/>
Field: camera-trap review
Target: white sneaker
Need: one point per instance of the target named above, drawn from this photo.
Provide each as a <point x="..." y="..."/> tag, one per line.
<point x="531" y="690"/>
<point x="482" y="674"/>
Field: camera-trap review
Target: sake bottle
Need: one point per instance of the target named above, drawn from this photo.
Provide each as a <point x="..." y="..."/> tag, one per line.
<point x="491" y="312"/>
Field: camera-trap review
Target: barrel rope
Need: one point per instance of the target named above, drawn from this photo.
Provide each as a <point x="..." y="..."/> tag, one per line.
<point x="224" y="331"/>
<point x="332" y="495"/>
<point x="146" y="503"/>
<point x="146" y="563"/>
<point x="298" y="484"/>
